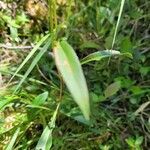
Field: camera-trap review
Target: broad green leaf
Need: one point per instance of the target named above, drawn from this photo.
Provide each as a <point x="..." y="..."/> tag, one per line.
<point x="139" y="140"/>
<point x="69" y="66"/>
<point x="40" y="99"/>
<point x="9" y="20"/>
<point x="37" y="104"/>
<point x="136" y="90"/>
<point x="130" y="141"/>
<point x="145" y="70"/>
<point x="126" y="45"/>
<point x="97" y="56"/>
<point x="34" y="62"/>
<point x="45" y="141"/>
<point x="112" y="89"/>
<point x="14" y="33"/>
<point x="30" y="55"/>
<point x="12" y="142"/>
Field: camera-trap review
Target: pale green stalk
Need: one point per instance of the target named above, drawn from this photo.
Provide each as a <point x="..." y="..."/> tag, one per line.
<point x="69" y="9"/>
<point x="52" y="15"/>
<point x="118" y="21"/>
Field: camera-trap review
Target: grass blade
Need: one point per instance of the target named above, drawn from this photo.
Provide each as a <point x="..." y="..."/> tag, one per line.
<point x="21" y="76"/>
<point x="30" y="55"/>
<point x="97" y="56"/>
<point x="34" y="62"/>
<point x="118" y="21"/>
<point x="12" y="142"/>
<point x="45" y="141"/>
<point x="69" y="66"/>
<point x="141" y="108"/>
<point x="4" y="103"/>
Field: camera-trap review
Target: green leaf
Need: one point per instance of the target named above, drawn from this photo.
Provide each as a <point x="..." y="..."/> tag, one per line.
<point x="69" y="66"/>
<point x="94" y="97"/>
<point x="89" y="44"/>
<point x="127" y="54"/>
<point x="30" y="55"/>
<point x="34" y="62"/>
<point x="139" y="140"/>
<point x="12" y="142"/>
<point x="81" y="119"/>
<point x="136" y="90"/>
<point x="4" y="103"/>
<point x="144" y="70"/>
<point x="9" y="20"/>
<point x="130" y="141"/>
<point x="40" y="99"/>
<point x="37" y="104"/>
<point x="45" y="141"/>
<point x="118" y="22"/>
<point x="126" y="45"/>
<point x="14" y="33"/>
<point x="112" y="89"/>
<point x="97" y="56"/>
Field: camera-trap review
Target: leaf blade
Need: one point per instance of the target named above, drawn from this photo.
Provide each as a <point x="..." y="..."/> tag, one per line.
<point x="97" y="56"/>
<point x="12" y="142"/>
<point x="69" y="66"/>
<point x="40" y="99"/>
<point x="112" y="89"/>
<point x="29" y="56"/>
<point x="34" y="62"/>
<point x="45" y="141"/>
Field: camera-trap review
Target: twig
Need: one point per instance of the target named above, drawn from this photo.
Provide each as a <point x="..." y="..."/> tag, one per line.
<point x="15" y="47"/>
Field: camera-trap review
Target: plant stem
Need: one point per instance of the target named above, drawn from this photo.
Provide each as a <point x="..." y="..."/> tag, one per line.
<point x="118" y="21"/>
<point x="52" y="15"/>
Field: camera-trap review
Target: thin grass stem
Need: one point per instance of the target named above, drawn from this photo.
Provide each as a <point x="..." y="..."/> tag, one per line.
<point x="118" y="22"/>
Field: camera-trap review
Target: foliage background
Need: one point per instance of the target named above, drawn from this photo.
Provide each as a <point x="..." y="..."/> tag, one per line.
<point x="121" y="121"/>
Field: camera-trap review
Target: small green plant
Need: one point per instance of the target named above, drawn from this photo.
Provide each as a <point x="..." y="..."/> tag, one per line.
<point x="66" y="60"/>
<point x="64" y="66"/>
<point x="67" y="63"/>
<point x="135" y="143"/>
<point x="115" y="98"/>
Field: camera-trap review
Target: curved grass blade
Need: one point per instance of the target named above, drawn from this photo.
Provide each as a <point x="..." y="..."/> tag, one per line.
<point x="30" y="55"/>
<point x="118" y="21"/>
<point x="141" y="108"/>
<point x="69" y="66"/>
<point x="12" y="142"/>
<point x="21" y="76"/>
<point x="97" y="56"/>
<point x="4" y="103"/>
<point x="34" y="62"/>
<point x="45" y="141"/>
